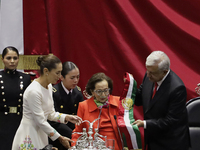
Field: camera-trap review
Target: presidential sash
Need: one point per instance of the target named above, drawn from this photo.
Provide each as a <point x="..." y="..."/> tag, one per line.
<point x="130" y="133"/>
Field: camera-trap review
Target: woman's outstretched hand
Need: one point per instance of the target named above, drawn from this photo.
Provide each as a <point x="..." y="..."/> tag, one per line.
<point x="65" y="141"/>
<point x="73" y="119"/>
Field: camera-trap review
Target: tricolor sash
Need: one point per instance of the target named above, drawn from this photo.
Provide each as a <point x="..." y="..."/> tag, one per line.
<point x="130" y="133"/>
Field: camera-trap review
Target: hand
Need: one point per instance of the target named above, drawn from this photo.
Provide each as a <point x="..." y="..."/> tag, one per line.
<point x="54" y="148"/>
<point x="65" y="141"/>
<point x="139" y="123"/>
<point x="73" y="119"/>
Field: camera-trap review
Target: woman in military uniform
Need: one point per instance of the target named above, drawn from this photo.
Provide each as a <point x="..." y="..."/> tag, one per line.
<point x="12" y="86"/>
<point x="67" y="96"/>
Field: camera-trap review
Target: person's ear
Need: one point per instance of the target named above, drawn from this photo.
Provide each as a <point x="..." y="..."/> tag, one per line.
<point x="46" y="71"/>
<point x="62" y="78"/>
<point x="165" y="72"/>
<point x="92" y="92"/>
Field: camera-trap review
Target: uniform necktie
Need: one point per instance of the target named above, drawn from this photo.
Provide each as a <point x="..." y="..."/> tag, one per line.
<point x="155" y="89"/>
<point x="69" y="95"/>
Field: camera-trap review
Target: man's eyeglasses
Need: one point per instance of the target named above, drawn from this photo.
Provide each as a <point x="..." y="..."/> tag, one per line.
<point x="100" y="92"/>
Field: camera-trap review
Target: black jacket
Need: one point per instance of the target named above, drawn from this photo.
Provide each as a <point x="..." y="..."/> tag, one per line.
<point x="67" y="104"/>
<point x="12" y="86"/>
<point x="166" y="115"/>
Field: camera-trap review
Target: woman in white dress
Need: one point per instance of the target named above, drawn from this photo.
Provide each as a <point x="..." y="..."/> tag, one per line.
<point x="38" y="106"/>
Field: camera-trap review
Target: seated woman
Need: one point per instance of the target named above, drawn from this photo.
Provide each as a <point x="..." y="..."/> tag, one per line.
<point x="101" y="105"/>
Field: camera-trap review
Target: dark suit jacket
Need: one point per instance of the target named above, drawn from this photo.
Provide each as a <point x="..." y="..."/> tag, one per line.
<point x="166" y="115"/>
<point x="65" y="104"/>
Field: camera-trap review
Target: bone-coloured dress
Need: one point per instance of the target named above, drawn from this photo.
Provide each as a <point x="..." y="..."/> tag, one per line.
<point x="34" y="129"/>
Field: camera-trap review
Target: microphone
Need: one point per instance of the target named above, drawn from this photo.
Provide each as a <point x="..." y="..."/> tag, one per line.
<point x="115" y="117"/>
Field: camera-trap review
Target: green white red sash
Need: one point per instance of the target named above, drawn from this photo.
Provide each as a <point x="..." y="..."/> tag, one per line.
<point x="130" y="133"/>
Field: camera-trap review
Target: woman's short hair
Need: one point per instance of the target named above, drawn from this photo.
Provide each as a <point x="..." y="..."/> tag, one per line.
<point x="98" y="77"/>
<point x="9" y="48"/>
<point x="158" y="58"/>
<point x="67" y="67"/>
<point x="47" y="61"/>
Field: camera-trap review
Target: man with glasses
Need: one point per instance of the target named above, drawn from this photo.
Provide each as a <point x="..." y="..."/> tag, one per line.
<point x="163" y="96"/>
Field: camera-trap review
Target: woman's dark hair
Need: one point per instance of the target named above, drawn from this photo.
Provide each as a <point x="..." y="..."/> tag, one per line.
<point x="9" y="48"/>
<point x="47" y="61"/>
<point x="67" y="67"/>
<point x="98" y="77"/>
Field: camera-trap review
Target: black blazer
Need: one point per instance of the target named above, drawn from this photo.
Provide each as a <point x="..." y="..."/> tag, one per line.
<point x="64" y="103"/>
<point x="166" y="115"/>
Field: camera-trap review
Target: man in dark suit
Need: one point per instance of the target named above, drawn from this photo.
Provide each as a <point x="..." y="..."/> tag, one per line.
<point x="66" y="96"/>
<point x="165" y="116"/>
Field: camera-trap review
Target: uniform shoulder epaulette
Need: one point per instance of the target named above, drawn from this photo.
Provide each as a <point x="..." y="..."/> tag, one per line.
<point x="25" y="72"/>
<point x="78" y="88"/>
<point x="30" y="73"/>
<point x="54" y="89"/>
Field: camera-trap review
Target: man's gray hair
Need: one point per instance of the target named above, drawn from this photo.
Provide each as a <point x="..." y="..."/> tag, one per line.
<point x="158" y="58"/>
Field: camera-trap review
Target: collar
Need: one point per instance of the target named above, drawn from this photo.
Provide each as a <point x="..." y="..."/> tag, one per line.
<point x="92" y="105"/>
<point x="160" y="82"/>
<point x="66" y="90"/>
<point x="101" y="105"/>
<point x="8" y="71"/>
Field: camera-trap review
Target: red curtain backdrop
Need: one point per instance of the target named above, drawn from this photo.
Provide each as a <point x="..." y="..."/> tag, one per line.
<point x="116" y="36"/>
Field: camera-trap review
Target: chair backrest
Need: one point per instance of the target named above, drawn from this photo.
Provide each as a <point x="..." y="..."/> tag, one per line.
<point x="193" y="108"/>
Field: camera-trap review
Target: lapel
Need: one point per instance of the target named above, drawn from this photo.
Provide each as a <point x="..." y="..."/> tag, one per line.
<point x="113" y="109"/>
<point x="148" y="89"/>
<point x="63" y="94"/>
<point x="158" y="96"/>
<point x="91" y="105"/>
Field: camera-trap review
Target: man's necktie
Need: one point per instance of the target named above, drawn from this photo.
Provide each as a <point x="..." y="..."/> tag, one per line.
<point x="155" y="89"/>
